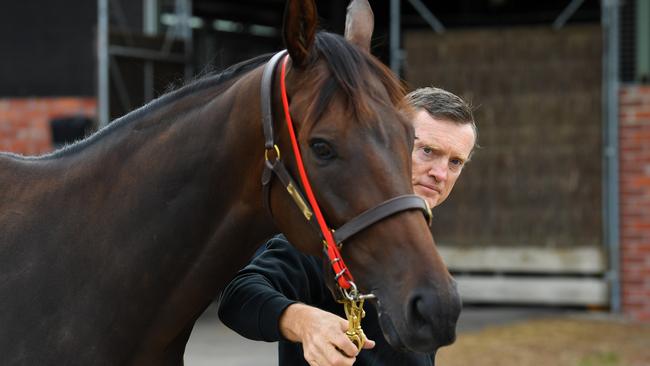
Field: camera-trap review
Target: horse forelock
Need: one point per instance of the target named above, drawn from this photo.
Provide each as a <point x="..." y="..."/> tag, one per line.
<point x="351" y="71"/>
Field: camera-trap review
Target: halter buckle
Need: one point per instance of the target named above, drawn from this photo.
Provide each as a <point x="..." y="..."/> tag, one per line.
<point x="300" y="202"/>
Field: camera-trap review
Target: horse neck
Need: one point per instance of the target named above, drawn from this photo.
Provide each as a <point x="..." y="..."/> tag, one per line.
<point x="202" y="166"/>
<point x="180" y="200"/>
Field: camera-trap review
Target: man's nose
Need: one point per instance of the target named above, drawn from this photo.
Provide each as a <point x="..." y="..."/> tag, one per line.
<point x="439" y="171"/>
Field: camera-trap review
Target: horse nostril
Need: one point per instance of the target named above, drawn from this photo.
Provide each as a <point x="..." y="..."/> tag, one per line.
<point x="417" y="309"/>
<point x="434" y="316"/>
<point x="420" y="312"/>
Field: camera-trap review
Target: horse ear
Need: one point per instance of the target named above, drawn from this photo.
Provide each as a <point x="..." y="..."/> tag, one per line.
<point x="299" y="29"/>
<point x="359" y="23"/>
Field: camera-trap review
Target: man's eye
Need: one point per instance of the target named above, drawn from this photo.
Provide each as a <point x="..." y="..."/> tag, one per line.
<point x="456" y="163"/>
<point x="427" y="150"/>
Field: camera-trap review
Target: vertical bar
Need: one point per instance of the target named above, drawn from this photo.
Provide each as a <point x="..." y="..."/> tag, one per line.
<point x="150" y="28"/>
<point x="184" y="11"/>
<point x="610" y="22"/>
<point x="189" y="42"/>
<point x="150" y="17"/>
<point x="642" y="39"/>
<point x="102" y="64"/>
<point x="395" y="47"/>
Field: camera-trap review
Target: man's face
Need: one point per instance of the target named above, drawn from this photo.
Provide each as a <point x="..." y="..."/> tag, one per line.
<point x="441" y="150"/>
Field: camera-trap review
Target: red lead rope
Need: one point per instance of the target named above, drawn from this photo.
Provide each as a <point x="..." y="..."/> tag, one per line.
<point x="344" y="277"/>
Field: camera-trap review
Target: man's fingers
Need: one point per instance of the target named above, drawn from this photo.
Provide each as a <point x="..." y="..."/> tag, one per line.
<point x="327" y="354"/>
<point x="369" y="344"/>
<point x="345" y="345"/>
<point x="338" y="358"/>
<point x="326" y="343"/>
<point x="343" y="324"/>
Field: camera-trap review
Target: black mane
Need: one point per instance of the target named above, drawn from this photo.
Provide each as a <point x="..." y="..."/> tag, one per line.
<point x="209" y="81"/>
<point x="349" y="69"/>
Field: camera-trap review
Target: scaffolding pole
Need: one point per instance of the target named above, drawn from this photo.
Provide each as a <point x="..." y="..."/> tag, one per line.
<point x="150" y="28"/>
<point x="428" y="16"/>
<point x="611" y="229"/>
<point x="184" y="11"/>
<point x="107" y="69"/>
<point x="566" y="14"/>
<point x="102" y="63"/>
<point x="395" y="47"/>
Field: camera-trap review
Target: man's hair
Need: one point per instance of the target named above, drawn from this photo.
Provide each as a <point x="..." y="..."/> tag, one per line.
<point x="441" y="104"/>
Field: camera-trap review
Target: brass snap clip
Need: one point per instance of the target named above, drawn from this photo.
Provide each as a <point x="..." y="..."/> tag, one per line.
<point x="353" y="306"/>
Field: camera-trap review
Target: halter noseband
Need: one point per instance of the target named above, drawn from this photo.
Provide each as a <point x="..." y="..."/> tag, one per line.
<point x="332" y="240"/>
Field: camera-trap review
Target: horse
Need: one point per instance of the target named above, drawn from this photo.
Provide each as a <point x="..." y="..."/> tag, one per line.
<point x="112" y="247"/>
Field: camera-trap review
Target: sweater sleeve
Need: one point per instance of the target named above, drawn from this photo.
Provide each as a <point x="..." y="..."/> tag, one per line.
<point x="278" y="276"/>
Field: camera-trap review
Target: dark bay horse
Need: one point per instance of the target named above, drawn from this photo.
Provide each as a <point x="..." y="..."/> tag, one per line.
<point x="111" y="248"/>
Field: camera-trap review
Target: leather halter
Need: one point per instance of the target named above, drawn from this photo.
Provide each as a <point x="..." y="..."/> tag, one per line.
<point x="275" y="165"/>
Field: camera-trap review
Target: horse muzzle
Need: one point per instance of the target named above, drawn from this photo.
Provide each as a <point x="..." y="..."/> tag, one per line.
<point x="425" y="322"/>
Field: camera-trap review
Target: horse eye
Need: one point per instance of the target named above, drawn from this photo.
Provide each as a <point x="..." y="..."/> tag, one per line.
<point x="322" y="150"/>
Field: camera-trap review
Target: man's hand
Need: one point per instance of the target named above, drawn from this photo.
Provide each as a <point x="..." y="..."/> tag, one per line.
<point x="322" y="335"/>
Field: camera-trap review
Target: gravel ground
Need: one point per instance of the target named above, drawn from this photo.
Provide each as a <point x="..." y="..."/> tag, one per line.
<point x="213" y="344"/>
<point x="487" y="337"/>
<point x="571" y="340"/>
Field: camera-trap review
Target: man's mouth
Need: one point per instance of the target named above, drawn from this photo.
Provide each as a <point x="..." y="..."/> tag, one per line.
<point x="430" y="187"/>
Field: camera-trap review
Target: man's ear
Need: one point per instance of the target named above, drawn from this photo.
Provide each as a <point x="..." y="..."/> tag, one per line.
<point x="359" y="23"/>
<point x="299" y="29"/>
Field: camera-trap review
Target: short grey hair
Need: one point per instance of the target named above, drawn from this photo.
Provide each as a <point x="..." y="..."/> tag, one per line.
<point x="442" y="104"/>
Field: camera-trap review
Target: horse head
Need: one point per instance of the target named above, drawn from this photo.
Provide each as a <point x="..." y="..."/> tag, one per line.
<point x="355" y="139"/>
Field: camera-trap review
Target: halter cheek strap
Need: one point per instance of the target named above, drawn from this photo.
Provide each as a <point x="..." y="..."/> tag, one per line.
<point x="343" y="275"/>
<point x="311" y="209"/>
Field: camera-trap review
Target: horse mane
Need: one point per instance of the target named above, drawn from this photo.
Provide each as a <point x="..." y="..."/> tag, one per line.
<point x="350" y="69"/>
<point x="210" y="80"/>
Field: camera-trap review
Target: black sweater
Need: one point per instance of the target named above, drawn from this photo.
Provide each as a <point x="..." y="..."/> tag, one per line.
<point x="279" y="276"/>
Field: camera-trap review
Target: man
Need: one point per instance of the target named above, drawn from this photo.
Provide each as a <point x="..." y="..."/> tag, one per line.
<point x="281" y="294"/>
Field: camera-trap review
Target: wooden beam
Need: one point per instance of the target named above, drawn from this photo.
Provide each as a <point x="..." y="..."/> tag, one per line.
<point x="533" y="290"/>
<point x="579" y="260"/>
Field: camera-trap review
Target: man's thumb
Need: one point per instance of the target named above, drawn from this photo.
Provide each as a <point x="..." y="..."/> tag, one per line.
<point x="370" y="344"/>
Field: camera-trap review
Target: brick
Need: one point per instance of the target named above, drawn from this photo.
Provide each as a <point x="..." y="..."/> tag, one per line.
<point x="641" y="182"/>
<point x="643" y="316"/>
<point x="632" y="301"/>
<point x="642" y="115"/>
<point x="24" y="122"/>
<point x="635" y="201"/>
<point x="643" y="90"/>
<point x="636" y="225"/>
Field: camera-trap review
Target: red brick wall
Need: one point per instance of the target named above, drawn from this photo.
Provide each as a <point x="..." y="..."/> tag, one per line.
<point x="24" y="122"/>
<point x="635" y="200"/>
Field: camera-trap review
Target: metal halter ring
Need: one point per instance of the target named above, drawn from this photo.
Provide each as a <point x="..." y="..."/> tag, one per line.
<point x="352" y="294"/>
<point x="277" y="153"/>
<point x="429" y="214"/>
<point x="338" y="275"/>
